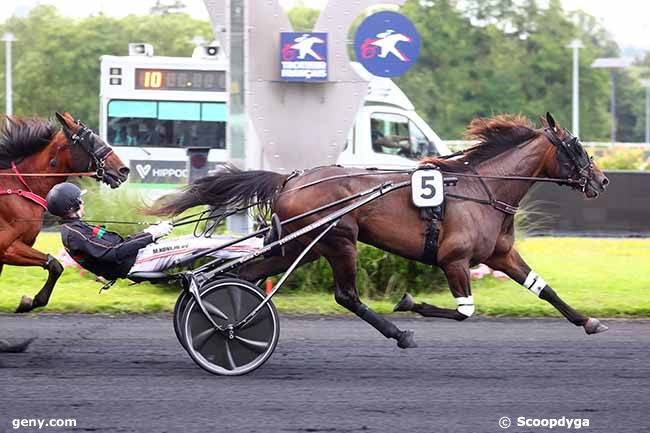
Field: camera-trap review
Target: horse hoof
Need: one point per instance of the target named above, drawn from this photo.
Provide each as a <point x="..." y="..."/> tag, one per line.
<point x="26" y="305"/>
<point x="593" y="326"/>
<point x="406" y="340"/>
<point x="406" y="303"/>
<point x="16" y="348"/>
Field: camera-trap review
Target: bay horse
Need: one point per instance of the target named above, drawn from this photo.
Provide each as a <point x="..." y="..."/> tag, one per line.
<point x="478" y="224"/>
<point x="33" y="146"/>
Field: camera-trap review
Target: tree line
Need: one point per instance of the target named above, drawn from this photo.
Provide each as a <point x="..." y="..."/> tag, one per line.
<point x="478" y="58"/>
<point x="56" y="59"/>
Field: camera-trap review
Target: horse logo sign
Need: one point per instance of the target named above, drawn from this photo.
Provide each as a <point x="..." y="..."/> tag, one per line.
<point x="387" y="44"/>
<point x="303" y="56"/>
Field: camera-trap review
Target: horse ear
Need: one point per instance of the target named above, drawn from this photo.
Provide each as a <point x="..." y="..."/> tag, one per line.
<point x="550" y="121"/>
<point x="60" y="117"/>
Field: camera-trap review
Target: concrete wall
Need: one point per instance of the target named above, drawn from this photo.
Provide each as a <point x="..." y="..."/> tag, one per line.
<point x="623" y="210"/>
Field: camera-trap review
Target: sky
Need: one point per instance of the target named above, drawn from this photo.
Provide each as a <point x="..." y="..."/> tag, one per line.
<point x="627" y="20"/>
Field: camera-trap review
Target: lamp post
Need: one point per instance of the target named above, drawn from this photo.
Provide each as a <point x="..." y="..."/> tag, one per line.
<point x="646" y="84"/>
<point x="8" y="38"/>
<point x="576" y="44"/>
<point x="612" y="63"/>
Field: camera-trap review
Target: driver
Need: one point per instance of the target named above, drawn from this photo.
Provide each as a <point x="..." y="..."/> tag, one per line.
<point x="111" y="256"/>
<point x="379" y="139"/>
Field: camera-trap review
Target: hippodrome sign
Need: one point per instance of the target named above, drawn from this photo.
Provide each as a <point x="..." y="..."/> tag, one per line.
<point x="387" y="44"/>
<point x="303" y="56"/>
<point x="148" y="171"/>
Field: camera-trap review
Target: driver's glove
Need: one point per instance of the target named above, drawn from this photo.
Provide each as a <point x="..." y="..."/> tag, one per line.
<point x="157" y="231"/>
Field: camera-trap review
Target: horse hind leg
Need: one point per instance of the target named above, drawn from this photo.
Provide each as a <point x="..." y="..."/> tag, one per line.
<point x="266" y="267"/>
<point x="343" y="264"/>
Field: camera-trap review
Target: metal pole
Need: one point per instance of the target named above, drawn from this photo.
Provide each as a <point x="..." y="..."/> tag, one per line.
<point x="576" y="44"/>
<point x="576" y="96"/>
<point x="612" y="107"/>
<point x="9" y="101"/>
<point x="647" y="115"/>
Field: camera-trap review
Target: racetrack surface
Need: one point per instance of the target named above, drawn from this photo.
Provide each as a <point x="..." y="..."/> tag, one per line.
<point x="128" y="374"/>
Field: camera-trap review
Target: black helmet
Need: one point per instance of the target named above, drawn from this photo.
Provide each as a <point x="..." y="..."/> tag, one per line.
<point x="63" y="199"/>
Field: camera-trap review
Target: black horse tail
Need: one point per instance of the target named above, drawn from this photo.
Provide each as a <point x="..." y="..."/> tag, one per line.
<point x="228" y="189"/>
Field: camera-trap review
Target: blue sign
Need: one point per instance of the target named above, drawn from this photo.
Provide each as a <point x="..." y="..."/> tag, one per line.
<point x="387" y="44"/>
<point x="303" y="56"/>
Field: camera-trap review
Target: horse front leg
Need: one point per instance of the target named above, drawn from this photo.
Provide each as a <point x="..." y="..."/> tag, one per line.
<point x="344" y="269"/>
<point x="457" y="274"/>
<point x="20" y="254"/>
<point x="516" y="268"/>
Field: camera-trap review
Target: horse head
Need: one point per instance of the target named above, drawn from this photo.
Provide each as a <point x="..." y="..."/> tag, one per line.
<point x="571" y="161"/>
<point x="86" y="151"/>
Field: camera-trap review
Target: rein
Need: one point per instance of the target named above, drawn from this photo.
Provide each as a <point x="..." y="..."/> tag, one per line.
<point x="491" y="201"/>
<point x="80" y="174"/>
<point x="206" y="215"/>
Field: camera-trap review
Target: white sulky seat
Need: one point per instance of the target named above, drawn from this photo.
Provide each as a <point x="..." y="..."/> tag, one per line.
<point x="182" y="251"/>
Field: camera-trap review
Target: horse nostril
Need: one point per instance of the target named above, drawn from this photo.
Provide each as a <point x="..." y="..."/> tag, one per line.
<point x="124" y="171"/>
<point x="604" y="183"/>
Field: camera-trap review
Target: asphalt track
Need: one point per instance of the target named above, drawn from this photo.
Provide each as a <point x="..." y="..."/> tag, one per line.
<point x="128" y="374"/>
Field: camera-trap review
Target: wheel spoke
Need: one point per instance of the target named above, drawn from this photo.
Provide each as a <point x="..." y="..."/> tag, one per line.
<point x="262" y="314"/>
<point x="235" y="299"/>
<point x="199" y="340"/>
<point x="229" y="357"/>
<point x="212" y="309"/>
<point x="258" y="346"/>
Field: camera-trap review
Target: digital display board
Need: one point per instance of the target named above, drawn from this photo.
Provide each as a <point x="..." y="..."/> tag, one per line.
<point x="180" y="79"/>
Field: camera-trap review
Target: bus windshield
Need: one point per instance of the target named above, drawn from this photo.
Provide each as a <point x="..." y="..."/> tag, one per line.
<point x="166" y="124"/>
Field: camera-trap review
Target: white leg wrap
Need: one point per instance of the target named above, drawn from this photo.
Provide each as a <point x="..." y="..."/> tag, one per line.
<point x="534" y="283"/>
<point x="465" y="305"/>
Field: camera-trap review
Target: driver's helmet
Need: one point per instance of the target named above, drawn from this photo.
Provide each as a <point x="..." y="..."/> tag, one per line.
<point x="63" y="199"/>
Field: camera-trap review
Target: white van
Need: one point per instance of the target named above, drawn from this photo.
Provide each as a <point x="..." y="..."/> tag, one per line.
<point x="388" y="112"/>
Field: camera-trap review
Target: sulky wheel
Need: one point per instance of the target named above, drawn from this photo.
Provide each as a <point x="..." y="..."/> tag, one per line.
<point x="235" y="352"/>
<point x="179" y="307"/>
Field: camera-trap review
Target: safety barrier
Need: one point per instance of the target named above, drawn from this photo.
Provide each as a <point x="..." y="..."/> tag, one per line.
<point x="623" y="210"/>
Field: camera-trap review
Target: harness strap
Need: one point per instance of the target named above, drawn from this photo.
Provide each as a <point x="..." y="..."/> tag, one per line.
<point x="26" y="194"/>
<point x="499" y="205"/>
<point x="488" y="191"/>
<point x="29" y="194"/>
<point x="19" y="176"/>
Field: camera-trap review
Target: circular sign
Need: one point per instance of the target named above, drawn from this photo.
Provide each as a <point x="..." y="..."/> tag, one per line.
<point x="387" y="44"/>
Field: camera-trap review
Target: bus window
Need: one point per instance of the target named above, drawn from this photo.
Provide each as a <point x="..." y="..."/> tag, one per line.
<point x="166" y="124"/>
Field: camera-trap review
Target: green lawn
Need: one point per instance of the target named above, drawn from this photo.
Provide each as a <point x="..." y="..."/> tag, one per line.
<point x="599" y="277"/>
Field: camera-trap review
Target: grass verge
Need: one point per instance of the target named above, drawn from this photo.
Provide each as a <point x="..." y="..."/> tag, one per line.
<point x="599" y="277"/>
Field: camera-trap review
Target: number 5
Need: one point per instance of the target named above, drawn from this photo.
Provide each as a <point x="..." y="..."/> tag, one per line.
<point x="428" y="184"/>
<point x="427" y="188"/>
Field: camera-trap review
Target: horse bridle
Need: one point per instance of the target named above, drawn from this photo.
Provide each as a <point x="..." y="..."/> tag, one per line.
<point x="571" y="148"/>
<point x="86" y="138"/>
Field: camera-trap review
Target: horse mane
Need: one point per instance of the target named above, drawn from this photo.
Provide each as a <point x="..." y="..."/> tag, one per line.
<point x="495" y="136"/>
<point x="21" y="137"/>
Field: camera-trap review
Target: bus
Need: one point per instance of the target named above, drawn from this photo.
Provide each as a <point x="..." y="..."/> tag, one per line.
<point x="153" y="108"/>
